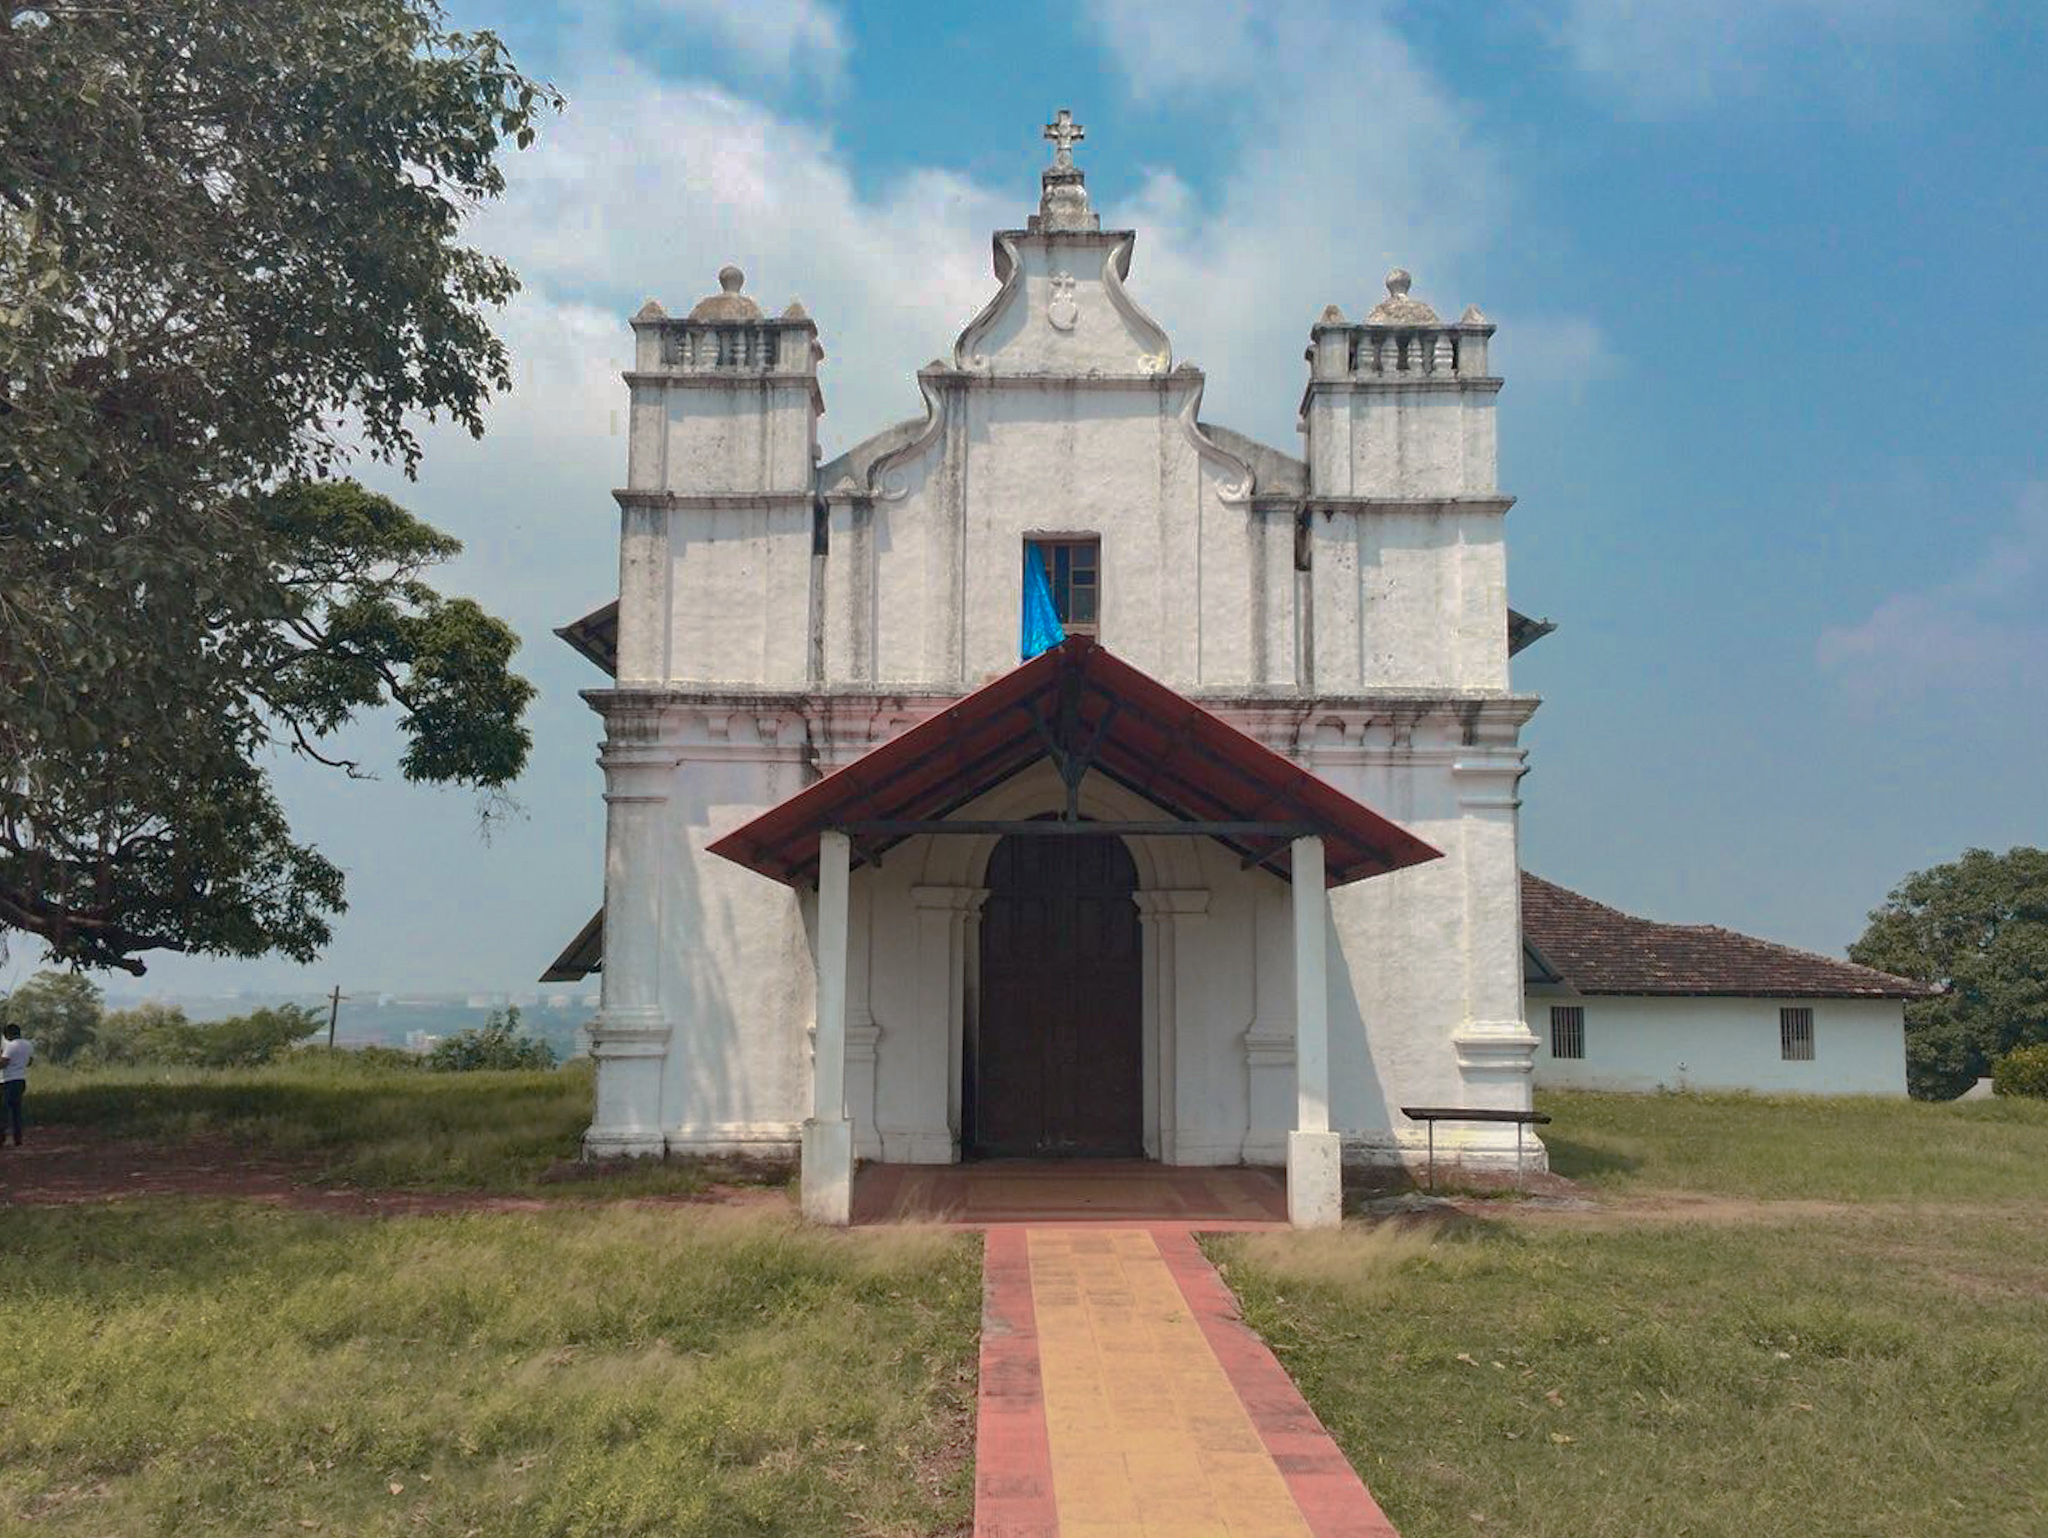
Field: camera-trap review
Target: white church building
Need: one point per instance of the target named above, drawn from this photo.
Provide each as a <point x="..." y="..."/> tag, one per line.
<point x="1228" y="876"/>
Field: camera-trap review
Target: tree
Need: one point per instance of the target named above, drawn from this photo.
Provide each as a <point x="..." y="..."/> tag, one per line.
<point x="228" y="253"/>
<point x="498" y="1043"/>
<point x="1978" y="928"/>
<point x="58" y="1011"/>
<point x="149" y="1032"/>
<point x="246" y="1041"/>
<point x="160" y="1034"/>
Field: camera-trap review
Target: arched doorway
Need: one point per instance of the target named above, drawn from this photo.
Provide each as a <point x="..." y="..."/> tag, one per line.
<point x="1056" y="1067"/>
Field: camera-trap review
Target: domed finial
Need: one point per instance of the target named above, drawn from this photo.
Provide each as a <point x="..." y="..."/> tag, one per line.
<point x="728" y="304"/>
<point x="1397" y="309"/>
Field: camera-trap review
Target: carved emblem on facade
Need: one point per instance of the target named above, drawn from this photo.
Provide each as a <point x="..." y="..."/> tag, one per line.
<point x="1062" y="312"/>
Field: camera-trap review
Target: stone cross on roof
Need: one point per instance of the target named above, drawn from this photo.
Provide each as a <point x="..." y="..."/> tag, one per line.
<point x="1064" y="133"/>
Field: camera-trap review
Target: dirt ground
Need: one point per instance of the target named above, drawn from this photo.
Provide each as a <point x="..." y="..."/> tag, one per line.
<point x="69" y="1166"/>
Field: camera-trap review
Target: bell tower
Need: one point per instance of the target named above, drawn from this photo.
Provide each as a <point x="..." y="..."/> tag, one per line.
<point x="1405" y="519"/>
<point x="715" y="533"/>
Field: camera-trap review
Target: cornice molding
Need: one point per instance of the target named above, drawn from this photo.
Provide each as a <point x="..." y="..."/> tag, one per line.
<point x="708" y="501"/>
<point x="1425" y="505"/>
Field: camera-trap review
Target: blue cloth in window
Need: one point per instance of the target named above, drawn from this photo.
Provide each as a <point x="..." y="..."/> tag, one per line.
<point x="1041" y="630"/>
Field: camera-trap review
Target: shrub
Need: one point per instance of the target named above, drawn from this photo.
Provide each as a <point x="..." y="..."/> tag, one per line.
<point x="2022" y="1071"/>
<point x="160" y="1035"/>
<point x="498" y="1043"/>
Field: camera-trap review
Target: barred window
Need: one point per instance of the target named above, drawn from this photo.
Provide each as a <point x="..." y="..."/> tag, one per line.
<point x="1567" y="1030"/>
<point x="1795" y="1035"/>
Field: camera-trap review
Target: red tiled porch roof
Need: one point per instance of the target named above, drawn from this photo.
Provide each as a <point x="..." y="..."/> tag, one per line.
<point x="1081" y="702"/>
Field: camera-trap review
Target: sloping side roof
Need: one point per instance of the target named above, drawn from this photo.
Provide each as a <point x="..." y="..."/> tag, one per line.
<point x="1595" y="949"/>
<point x="581" y="956"/>
<point x="596" y="636"/>
<point x="1080" y="703"/>
<point x="1523" y="632"/>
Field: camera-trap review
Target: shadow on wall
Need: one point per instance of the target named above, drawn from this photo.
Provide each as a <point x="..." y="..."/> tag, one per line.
<point x="1353" y="1071"/>
<point x="715" y="1016"/>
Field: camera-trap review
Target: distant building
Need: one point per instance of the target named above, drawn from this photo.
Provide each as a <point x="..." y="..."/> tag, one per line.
<point x="421" y="1042"/>
<point x="1620" y="1002"/>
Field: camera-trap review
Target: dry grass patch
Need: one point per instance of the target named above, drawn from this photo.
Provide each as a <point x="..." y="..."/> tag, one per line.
<point x="1799" y="1317"/>
<point x="223" y="1368"/>
<point x="350" y="1121"/>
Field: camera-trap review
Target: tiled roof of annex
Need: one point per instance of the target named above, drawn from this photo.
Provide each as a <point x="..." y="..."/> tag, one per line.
<point x="1594" y="949"/>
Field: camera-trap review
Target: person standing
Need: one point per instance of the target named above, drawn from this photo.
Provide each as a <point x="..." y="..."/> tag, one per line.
<point x="15" y="1053"/>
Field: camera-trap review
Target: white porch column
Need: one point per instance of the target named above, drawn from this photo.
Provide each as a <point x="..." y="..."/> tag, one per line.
<point x="1315" y="1158"/>
<point x="827" y="1174"/>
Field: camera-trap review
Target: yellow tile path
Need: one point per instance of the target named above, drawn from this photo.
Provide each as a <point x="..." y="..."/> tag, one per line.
<point x="1148" y="1436"/>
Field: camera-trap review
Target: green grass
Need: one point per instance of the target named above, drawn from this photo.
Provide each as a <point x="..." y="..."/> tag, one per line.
<point x="183" y="1368"/>
<point x="1850" y="1148"/>
<point x="362" y="1125"/>
<point x="1869" y="1368"/>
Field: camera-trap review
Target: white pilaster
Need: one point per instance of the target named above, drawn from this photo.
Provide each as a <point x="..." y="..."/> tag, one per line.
<point x="947" y="927"/>
<point x="1315" y="1185"/>
<point x="827" y="1175"/>
<point x="1496" y="1050"/>
<point x="629" y="1038"/>
<point x="1172" y="920"/>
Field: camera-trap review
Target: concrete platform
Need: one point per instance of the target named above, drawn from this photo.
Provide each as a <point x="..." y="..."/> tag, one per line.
<point x="1002" y="1192"/>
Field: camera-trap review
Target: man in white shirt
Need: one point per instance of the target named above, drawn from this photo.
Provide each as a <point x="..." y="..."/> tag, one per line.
<point x="15" y="1052"/>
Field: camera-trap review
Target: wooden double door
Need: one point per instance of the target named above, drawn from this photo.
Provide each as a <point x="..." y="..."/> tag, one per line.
<point x="1056" y="1067"/>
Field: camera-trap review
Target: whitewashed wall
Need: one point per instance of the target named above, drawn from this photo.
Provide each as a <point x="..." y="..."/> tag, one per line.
<point x="1859" y="1045"/>
<point x="753" y="656"/>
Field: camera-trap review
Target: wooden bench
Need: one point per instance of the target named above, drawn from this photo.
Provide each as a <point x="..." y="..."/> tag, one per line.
<point x="1430" y="1115"/>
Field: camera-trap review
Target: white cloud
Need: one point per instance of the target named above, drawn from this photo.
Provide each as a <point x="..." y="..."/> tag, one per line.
<point x="1982" y="630"/>
<point x="1663" y="57"/>
<point x="773" y="37"/>
<point x="1332" y="175"/>
<point x="648" y="184"/>
<point x="1166" y="48"/>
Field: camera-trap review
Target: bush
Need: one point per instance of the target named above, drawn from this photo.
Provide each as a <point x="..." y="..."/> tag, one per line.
<point x="160" y="1035"/>
<point x="497" y="1044"/>
<point x="2022" y="1071"/>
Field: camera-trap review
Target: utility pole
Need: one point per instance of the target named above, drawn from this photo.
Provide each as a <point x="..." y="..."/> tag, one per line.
<point x="333" y="1013"/>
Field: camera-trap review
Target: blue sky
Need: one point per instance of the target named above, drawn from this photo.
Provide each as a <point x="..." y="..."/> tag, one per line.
<point x="1773" y="320"/>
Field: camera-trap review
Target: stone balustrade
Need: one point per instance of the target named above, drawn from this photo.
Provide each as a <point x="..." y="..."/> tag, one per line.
<point x="1445" y="350"/>
<point x="755" y="347"/>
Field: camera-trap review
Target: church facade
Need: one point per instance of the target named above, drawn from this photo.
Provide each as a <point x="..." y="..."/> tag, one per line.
<point x="1229" y="876"/>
